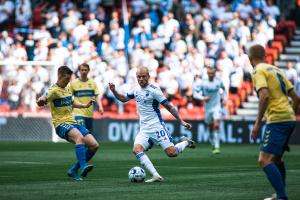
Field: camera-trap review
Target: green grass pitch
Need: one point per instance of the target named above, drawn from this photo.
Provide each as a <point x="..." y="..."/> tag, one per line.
<point x="35" y="170"/>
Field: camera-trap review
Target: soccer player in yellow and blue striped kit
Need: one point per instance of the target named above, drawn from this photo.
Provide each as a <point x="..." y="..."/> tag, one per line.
<point x="59" y="97"/>
<point x="83" y="90"/>
<point x="273" y="90"/>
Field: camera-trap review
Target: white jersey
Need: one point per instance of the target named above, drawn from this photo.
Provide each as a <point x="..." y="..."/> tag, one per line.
<point x="148" y="100"/>
<point x="214" y="89"/>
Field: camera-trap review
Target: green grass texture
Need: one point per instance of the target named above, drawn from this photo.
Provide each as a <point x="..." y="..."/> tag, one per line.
<point x="37" y="170"/>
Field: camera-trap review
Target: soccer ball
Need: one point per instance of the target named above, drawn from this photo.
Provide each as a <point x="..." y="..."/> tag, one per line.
<point x="136" y="174"/>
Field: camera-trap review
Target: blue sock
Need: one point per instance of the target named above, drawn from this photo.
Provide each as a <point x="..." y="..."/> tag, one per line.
<point x="276" y="180"/>
<point x="88" y="155"/>
<point x="80" y="154"/>
<point x="282" y="170"/>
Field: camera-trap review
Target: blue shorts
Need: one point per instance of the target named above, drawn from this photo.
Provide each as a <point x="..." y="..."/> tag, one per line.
<point x="276" y="137"/>
<point x="63" y="129"/>
<point x="85" y="122"/>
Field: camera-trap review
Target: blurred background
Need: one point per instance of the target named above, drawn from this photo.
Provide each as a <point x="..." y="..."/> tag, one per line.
<point x="175" y="39"/>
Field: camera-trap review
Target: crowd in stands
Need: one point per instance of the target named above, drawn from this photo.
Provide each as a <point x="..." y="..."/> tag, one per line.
<point x="175" y="39"/>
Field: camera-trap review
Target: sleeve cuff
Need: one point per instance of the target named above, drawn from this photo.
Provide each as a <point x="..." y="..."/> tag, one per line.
<point x="163" y="101"/>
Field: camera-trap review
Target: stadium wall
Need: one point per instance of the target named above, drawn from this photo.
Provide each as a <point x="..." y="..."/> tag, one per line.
<point x="20" y="128"/>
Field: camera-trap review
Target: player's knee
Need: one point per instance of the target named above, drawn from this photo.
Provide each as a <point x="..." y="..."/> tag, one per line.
<point x="137" y="149"/>
<point x="79" y="139"/>
<point x="171" y="152"/>
<point x="262" y="161"/>
<point x="95" y="146"/>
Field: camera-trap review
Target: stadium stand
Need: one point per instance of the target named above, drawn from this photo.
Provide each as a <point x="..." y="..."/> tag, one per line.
<point x="174" y="39"/>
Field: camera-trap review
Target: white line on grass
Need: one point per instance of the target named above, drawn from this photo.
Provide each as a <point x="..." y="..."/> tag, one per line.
<point x="22" y="162"/>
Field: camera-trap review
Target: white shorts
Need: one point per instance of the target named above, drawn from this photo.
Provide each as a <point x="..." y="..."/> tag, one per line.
<point x="212" y="115"/>
<point x="147" y="140"/>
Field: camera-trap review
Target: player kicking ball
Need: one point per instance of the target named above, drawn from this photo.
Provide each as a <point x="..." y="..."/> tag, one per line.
<point x="59" y="96"/>
<point x="152" y="128"/>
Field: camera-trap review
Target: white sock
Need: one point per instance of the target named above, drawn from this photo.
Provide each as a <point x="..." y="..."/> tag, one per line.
<point x="217" y="139"/>
<point x="181" y="146"/>
<point x="146" y="162"/>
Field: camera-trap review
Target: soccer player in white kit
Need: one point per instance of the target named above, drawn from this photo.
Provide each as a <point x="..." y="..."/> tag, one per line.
<point x="212" y="92"/>
<point x="152" y="128"/>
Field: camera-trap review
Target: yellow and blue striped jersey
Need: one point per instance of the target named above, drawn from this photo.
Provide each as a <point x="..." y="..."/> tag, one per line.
<point x="83" y="91"/>
<point x="279" y="108"/>
<point x="61" y="104"/>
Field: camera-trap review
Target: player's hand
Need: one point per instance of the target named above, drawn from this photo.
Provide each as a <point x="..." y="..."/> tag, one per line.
<point x="91" y="102"/>
<point x="255" y="130"/>
<point x="112" y="86"/>
<point x="206" y="98"/>
<point x="186" y="125"/>
<point x="101" y="111"/>
<point x="41" y="101"/>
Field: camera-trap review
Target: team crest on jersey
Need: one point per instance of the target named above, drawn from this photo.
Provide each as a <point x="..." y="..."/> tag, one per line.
<point x="141" y="99"/>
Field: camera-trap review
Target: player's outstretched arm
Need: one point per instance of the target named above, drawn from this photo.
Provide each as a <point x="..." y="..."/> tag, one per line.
<point x="295" y="99"/>
<point x="80" y="105"/>
<point x="175" y="113"/>
<point x="42" y="101"/>
<point x="263" y="95"/>
<point x="119" y="96"/>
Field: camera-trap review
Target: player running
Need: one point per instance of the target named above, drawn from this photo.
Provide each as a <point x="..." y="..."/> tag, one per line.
<point x="152" y="128"/>
<point x="213" y="93"/>
<point x="59" y="96"/>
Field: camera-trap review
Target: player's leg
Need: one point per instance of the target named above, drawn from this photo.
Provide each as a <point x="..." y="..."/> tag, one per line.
<point x="174" y="151"/>
<point x="278" y="159"/>
<point x="143" y="142"/>
<point x="216" y="136"/>
<point x="281" y="167"/>
<point x="210" y="127"/>
<point x="266" y="162"/>
<point x="88" y="154"/>
<point x="75" y="136"/>
<point x="91" y="148"/>
<point x="274" y="142"/>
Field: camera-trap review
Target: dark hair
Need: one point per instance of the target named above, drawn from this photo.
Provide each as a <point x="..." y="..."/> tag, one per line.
<point x="84" y="65"/>
<point x="64" y="70"/>
<point x="257" y="52"/>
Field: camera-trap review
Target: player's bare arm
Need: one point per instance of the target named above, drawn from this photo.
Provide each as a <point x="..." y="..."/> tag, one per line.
<point x="80" y="105"/>
<point x="295" y="99"/>
<point x="42" y="101"/>
<point x="175" y="113"/>
<point x="119" y="96"/>
<point x="263" y="95"/>
<point x="98" y="97"/>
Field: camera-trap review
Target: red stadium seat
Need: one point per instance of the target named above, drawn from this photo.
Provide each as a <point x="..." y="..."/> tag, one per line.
<point x="282" y="38"/>
<point x="277" y="45"/>
<point x="269" y="59"/>
<point x="272" y="52"/>
<point x="130" y="107"/>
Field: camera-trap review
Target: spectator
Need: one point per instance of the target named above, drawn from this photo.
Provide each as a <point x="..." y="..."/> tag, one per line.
<point x="14" y="91"/>
<point x="5" y="43"/>
<point x="6" y="11"/>
<point x="272" y="10"/>
<point x="23" y="13"/>
<point x="291" y="72"/>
